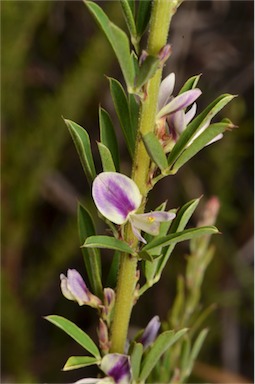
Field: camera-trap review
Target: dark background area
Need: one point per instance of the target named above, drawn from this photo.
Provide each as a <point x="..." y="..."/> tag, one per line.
<point x="54" y="59"/>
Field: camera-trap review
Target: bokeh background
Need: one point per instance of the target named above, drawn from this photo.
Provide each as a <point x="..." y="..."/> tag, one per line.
<point x="54" y="59"/>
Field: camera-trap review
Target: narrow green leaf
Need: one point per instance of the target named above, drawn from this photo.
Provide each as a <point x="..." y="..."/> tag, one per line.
<point x="122" y="109"/>
<point x="198" y="344"/>
<point x="155" y="150"/>
<point x="196" y="124"/>
<point x="147" y="69"/>
<point x="143" y="16"/>
<point x="153" y="270"/>
<point x="191" y="83"/>
<point x="76" y="333"/>
<point x="108" y="136"/>
<point x="164" y="341"/>
<point x="109" y="243"/>
<point x="113" y="273"/>
<point x="136" y="357"/>
<point x="106" y="158"/>
<point x="82" y="144"/>
<point x="75" y="362"/>
<point x="178" y="237"/>
<point x="200" y="142"/>
<point x="118" y="40"/>
<point x="91" y="257"/>
<point x="133" y="112"/>
<point x="183" y="215"/>
<point x="185" y="355"/>
<point x="129" y="17"/>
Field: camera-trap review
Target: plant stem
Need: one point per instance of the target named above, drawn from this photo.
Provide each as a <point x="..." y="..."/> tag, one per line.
<point x="162" y="12"/>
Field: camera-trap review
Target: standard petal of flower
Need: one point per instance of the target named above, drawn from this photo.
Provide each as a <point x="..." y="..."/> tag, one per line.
<point x="165" y="90"/>
<point x="115" y="196"/>
<point x="179" y="102"/>
<point x="150" y="222"/>
<point x="118" y="367"/>
<point x="150" y="332"/>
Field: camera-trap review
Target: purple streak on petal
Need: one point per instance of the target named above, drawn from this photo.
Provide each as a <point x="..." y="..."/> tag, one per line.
<point x="115" y="196"/>
<point x="118" y="367"/>
<point x="181" y="101"/>
<point x="150" y="332"/>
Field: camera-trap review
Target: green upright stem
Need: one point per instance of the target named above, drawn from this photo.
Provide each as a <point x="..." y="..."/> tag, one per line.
<point x="162" y="12"/>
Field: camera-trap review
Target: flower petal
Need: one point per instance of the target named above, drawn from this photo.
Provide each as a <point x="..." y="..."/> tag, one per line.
<point x="150" y="222"/>
<point x="179" y="102"/>
<point x="118" y="367"/>
<point x="115" y="196"/>
<point x="73" y="287"/>
<point x="150" y="332"/>
<point x="165" y="90"/>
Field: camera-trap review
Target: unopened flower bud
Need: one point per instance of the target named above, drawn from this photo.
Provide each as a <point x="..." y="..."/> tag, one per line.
<point x="74" y="288"/>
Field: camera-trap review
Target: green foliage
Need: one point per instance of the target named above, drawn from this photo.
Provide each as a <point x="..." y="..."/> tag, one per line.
<point x="91" y="257"/>
<point x="76" y="333"/>
<point x="118" y="40"/>
<point x="108" y="243"/>
<point x="123" y="110"/>
<point x="82" y="143"/>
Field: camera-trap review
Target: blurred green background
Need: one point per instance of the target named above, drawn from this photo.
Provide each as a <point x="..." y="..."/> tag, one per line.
<point x="54" y="59"/>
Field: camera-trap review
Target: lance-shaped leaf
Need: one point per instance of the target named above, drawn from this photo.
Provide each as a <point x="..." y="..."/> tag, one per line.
<point x="76" y="333"/>
<point x="118" y="40"/>
<point x="178" y="237"/>
<point x="113" y="272"/>
<point x="91" y="257"/>
<point x="121" y="105"/>
<point x="191" y="83"/>
<point x="75" y="362"/>
<point x="82" y="144"/>
<point x="203" y="118"/>
<point x="129" y="17"/>
<point x="108" y="243"/>
<point x="160" y="346"/>
<point x="153" y="270"/>
<point x="136" y="358"/>
<point x="189" y="359"/>
<point x="108" y="136"/>
<point x="201" y="141"/>
<point x="143" y="16"/>
<point x="155" y="150"/>
<point x="106" y="158"/>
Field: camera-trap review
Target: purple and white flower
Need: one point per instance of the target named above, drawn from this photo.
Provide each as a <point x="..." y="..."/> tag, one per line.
<point x="116" y="366"/>
<point x="117" y="198"/>
<point x="150" y="333"/>
<point x="74" y="288"/>
<point x="172" y="117"/>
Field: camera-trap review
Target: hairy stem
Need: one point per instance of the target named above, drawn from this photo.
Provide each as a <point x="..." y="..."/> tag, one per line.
<point x="162" y="12"/>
